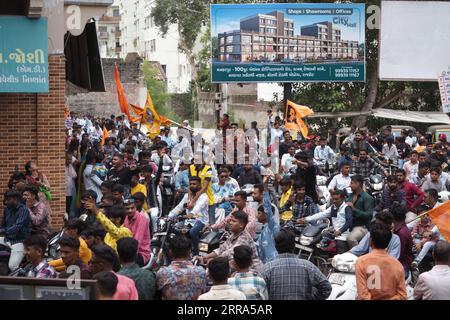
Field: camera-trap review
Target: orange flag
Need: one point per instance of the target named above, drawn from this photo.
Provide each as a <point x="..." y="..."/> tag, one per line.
<point x="441" y="219"/>
<point x="294" y="115"/>
<point x="66" y="111"/>
<point x="121" y="95"/>
<point x="104" y="136"/>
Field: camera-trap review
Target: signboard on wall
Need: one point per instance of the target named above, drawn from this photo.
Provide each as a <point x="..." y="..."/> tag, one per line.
<point x="23" y="54"/>
<point x="444" y="89"/>
<point x="288" y="42"/>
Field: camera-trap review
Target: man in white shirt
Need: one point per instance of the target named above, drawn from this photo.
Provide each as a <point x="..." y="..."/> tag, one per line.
<point x="390" y="150"/>
<point x="435" y="284"/>
<point x="286" y="160"/>
<point x="323" y="153"/>
<point x="161" y="153"/>
<point x="198" y="215"/>
<point x="411" y="167"/>
<point x="342" y="180"/>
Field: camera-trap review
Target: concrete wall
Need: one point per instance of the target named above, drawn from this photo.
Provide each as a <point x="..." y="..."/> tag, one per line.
<point x="106" y="103"/>
<point x="241" y="103"/>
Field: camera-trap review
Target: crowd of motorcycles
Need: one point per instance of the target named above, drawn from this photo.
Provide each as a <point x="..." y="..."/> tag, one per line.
<point x="340" y="268"/>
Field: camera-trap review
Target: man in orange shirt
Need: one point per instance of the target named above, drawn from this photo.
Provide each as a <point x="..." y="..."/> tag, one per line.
<point x="378" y="275"/>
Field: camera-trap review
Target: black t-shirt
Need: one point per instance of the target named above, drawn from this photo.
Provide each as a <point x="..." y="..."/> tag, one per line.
<point x="308" y="177"/>
<point x="122" y="177"/>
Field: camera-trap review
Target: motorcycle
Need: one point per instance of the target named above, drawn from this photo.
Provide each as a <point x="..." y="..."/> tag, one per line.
<point x="374" y="186"/>
<point x="323" y="192"/>
<point x="343" y="280"/>
<point x="309" y="238"/>
<point x="53" y="248"/>
<point x="167" y="189"/>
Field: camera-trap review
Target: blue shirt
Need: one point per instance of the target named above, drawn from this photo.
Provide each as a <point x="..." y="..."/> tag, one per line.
<point x="363" y="247"/>
<point x="16" y="224"/>
<point x="182" y="180"/>
<point x="169" y="141"/>
<point x="266" y="243"/>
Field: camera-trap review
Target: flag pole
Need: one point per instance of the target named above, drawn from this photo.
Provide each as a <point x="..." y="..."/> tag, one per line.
<point x="419" y="216"/>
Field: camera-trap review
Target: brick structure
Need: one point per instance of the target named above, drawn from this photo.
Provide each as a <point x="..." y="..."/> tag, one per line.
<point x="32" y="128"/>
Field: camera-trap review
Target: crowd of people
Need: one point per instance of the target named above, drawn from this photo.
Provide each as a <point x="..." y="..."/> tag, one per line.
<point x="115" y="196"/>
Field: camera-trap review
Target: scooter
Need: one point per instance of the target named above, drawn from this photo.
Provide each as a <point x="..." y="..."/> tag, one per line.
<point x="374" y="186"/>
<point x="343" y="281"/>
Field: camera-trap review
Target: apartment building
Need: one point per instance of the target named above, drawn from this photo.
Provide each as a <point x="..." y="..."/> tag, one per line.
<point x="139" y="34"/>
<point x="271" y="37"/>
<point x="108" y="33"/>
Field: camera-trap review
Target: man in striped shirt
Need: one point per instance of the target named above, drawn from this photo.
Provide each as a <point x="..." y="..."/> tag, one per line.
<point x="248" y="282"/>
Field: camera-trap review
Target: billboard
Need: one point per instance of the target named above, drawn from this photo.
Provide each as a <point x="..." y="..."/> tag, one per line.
<point x="23" y="54"/>
<point x="287" y="42"/>
<point x="414" y="40"/>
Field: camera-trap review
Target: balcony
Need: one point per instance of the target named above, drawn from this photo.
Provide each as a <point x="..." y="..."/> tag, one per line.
<point x="103" y="35"/>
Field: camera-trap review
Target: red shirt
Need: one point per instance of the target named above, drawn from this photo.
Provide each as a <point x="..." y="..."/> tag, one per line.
<point x="413" y="194"/>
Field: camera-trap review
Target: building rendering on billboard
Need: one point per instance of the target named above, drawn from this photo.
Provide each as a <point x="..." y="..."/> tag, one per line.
<point x="288" y="42"/>
<point x="271" y="38"/>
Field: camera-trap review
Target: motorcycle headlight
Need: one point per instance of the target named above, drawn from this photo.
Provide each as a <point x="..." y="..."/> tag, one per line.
<point x="306" y="241"/>
<point x="203" y="247"/>
<point x="378" y="186"/>
<point x="345" y="267"/>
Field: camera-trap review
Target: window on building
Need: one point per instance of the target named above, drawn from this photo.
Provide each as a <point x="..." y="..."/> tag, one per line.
<point x="230" y="39"/>
<point x="261" y="30"/>
<point x="261" y="21"/>
<point x="246" y="39"/>
<point x="164" y="67"/>
<point x="116" y="13"/>
<point x="117" y="44"/>
<point x="229" y="49"/>
<point x="153" y="45"/>
<point x="102" y="29"/>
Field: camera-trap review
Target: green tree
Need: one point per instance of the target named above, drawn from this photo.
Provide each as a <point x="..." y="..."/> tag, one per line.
<point x="158" y="91"/>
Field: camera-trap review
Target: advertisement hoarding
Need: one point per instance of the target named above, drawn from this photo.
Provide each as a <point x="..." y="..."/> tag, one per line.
<point x="286" y="42"/>
<point x="23" y="54"/>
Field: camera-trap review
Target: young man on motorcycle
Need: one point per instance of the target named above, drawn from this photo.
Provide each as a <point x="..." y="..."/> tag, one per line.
<point x="15" y="227"/>
<point x="341" y="217"/>
<point x="239" y="236"/>
<point x="414" y="195"/>
<point x="362" y="205"/>
<point x="198" y="213"/>
<point x="301" y="204"/>
<point x="365" y="166"/>
<point x="240" y="202"/>
<point x="391" y="195"/>
<point x="323" y="153"/>
<point x="223" y="192"/>
<point x="341" y="181"/>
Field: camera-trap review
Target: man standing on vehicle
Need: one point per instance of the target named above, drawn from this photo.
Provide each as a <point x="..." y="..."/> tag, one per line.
<point x="198" y="213"/>
<point x="341" y="181"/>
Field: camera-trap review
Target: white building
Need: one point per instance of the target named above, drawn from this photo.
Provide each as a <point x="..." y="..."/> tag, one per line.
<point x="108" y="32"/>
<point x="140" y="35"/>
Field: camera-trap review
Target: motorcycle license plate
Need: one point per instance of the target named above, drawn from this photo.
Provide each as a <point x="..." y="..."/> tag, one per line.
<point x="302" y="247"/>
<point x="336" y="278"/>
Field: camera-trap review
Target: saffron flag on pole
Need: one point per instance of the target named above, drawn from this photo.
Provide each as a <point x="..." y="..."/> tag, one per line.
<point x="150" y="118"/>
<point x="294" y="115"/>
<point x="121" y="95"/>
<point x="441" y="219"/>
<point x="105" y="135"/>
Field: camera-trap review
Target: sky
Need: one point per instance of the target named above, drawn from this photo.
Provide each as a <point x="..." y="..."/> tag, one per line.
<point x="227" y="17"/>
